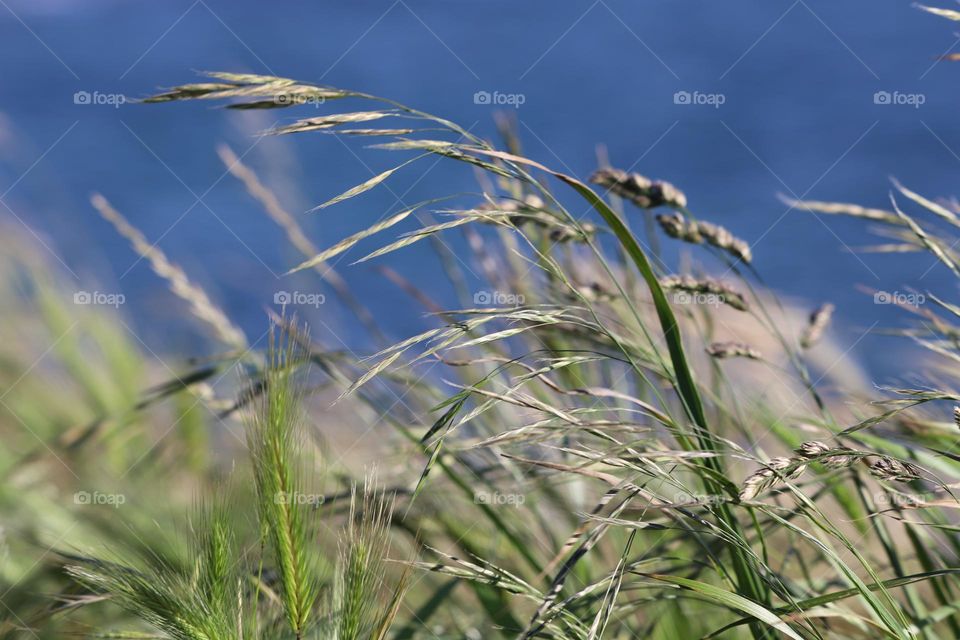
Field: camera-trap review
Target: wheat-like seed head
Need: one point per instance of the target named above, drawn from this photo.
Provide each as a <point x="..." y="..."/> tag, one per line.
<point x="200" y="304"/>
<point x="819" y="321"/>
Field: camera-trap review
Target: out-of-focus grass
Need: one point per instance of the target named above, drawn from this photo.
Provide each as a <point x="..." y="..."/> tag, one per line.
<point x="593" y="445"/>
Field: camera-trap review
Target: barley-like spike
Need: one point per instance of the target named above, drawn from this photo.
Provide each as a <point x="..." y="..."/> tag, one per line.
<point x="638" y="189"/>
<point x="956" y="416"/>
<point x="819" y="320"/>
<point x="721" y="350"/>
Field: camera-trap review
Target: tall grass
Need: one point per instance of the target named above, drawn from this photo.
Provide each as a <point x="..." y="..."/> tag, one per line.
<point x="627" y="345"/>
<point x="614" y="449"/>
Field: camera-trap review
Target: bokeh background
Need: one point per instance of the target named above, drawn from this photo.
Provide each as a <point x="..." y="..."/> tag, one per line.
<point x="797" y="81"/>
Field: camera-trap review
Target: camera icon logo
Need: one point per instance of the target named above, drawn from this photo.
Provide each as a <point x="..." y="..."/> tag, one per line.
<point x="482" y="297"/>
<point x="82" y="297"/>
<point x="882" y="297"/>
<point x="681" y="97"/>
<point x="81" y="497"/>
<point x="482" y="97"/>
<point x="82" y="97"/>
<point x="682" y="297"/>
<point x="282" y="298"/>
<point x="882" y="97"/>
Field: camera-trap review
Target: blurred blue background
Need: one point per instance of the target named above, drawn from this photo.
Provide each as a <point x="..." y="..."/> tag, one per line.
<point x="798" y="117"/>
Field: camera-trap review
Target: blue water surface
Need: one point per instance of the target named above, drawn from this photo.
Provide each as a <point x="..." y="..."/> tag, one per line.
<point x="734" y="102"/>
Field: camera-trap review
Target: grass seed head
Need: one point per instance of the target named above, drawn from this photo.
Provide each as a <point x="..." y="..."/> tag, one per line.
<point x="698" y="232"/>
<point x="675" y="226"/>
<point x="596" y="291"/>
<point x="782" y="465"/>
<point x="720" y="238"/>
<point x="755" y="482"/>
<point x="721" y="350"/>
<point x="886" y="468"/>
<point x="842" y="460"/>
<point x="528" y="207"/>
<point x="724" y="292"/>
<point x="819" y="320"/>
<point x="812" y="449"/>
<point x="562" y="234"/>
<point x="640" y="190"/>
